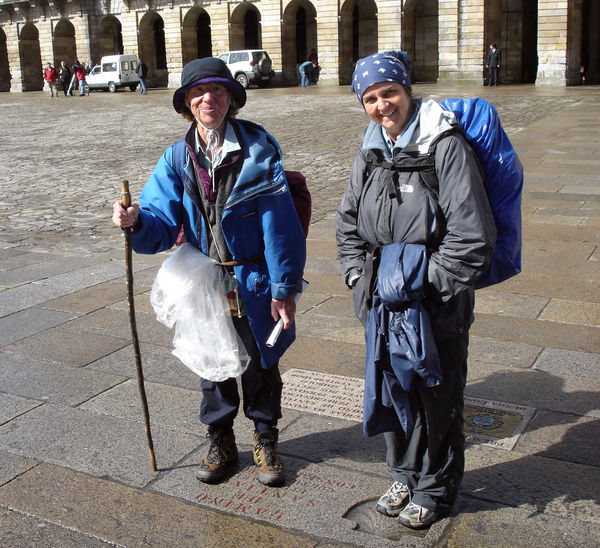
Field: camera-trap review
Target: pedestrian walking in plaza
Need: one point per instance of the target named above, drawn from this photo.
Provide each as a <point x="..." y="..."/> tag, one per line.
<point x="64" y="77"/>
<point x="493" y="65"/>
<point x="79" y="73"/>
<point x="142" y="72"/>
<point x="411" y="252"/>
<point x="307" y="70"/>
<point x="225" y="184"/>
<point x="51" y="77"/>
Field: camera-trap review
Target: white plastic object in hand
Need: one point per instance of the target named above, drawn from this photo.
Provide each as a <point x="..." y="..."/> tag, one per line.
<point x="279" y="325"/>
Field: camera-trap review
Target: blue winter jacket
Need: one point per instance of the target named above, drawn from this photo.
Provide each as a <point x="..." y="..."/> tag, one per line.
<point x="259" y="218"/>
<point x="399" y="341"/>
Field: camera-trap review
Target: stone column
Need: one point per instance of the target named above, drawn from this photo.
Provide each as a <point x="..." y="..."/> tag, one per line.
<point x="82" y="35"/>
<point x="270" y="21"/>
<point x="14" y="58"/>
<point x="389" y="24"/>
<point x="328" y="46"/>
<point x="129" y="31"/>
<point x="219" y="27"/>
<point x="552" y="42"/>
<point x="46" y="50"/>
<point x="172" y="20"/>
<point x="448" y="38"/>
<point x="471" y="46"/>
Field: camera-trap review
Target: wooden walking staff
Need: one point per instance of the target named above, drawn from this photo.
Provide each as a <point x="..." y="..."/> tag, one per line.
<point x="126" y="201"/>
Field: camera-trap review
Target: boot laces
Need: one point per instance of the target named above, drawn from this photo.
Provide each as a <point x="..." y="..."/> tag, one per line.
<point x="216" y="450"/>
<point x="268" y="449"/>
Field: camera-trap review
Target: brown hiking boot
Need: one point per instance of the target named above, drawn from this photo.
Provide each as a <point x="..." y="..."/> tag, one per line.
<point x="266" y="457"/>
<point x="222" y="453"/>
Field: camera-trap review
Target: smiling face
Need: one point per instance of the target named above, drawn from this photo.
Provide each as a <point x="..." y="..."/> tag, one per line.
<point x="208" y="103"/>
<point x="390" y="105"/>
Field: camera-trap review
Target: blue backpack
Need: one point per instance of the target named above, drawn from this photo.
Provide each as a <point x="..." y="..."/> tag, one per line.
<point x="503" y="173"/>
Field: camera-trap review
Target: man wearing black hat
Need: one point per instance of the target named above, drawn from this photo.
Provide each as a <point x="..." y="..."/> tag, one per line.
<point x="224" y="183"/>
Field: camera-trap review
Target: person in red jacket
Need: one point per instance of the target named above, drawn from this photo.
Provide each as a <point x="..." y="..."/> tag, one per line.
<point x="80" y="75"/>
<point x="51" y="77"/>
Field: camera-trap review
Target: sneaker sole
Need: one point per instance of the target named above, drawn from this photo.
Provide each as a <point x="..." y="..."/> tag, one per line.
<point x="390" y="513"/>
<point x="425" y="525"/>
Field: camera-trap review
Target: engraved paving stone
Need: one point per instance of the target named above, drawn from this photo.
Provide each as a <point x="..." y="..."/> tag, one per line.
<point x="487" y="422"/>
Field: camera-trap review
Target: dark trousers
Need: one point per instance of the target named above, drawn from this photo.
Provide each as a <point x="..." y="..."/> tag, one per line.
<point x="261" y="389"/>
<point x="432" y="461"/>
<point x="493" y="76"/>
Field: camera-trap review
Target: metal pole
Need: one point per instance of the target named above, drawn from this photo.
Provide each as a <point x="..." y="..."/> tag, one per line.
<point x="126" y="201"/>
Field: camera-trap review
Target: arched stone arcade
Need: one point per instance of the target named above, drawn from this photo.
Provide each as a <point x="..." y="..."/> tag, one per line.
<point x="512" y="26"/>
<point x="109" y="40"/>
<point x="245" y="31"/>
<point x="64" y="46"/>
<point x="584" y="43"/>
<point x="196" y="40"/>
<point x="420" y="38"/>
<point x="152" y="48"/>
<point x="31" y="58"/>
<point x="298" y="37"/>
<point x="545" y="42"/>
<point x="358" y="34"/>
<point x="5" y="76"/>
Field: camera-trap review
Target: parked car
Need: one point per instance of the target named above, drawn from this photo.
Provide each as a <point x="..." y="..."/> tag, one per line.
<point x="113" y="72"/>
<point x="249" y="66"/>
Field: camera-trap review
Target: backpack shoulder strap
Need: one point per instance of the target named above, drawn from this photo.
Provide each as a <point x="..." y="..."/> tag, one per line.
<point x="428" y="174"/>
<point x="179" y="158"/>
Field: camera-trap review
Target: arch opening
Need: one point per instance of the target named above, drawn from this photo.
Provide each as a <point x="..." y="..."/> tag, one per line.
<point x="109" y="40"/>
<point x="512" y="26"/>
<point x="31" y="58"/>
<point x="358" y="35"/>
<point x="5" y="76"/>
<point x="420" y="30"/>
<point x="196" y="37"/>
<point x="245" y="30"/>
<point x="64" y="45"/>
<point x="152" y="48"/>
<point x="299" y="37"/>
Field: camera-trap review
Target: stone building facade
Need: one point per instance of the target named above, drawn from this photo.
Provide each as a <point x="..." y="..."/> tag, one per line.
<point x="542" y="41"/>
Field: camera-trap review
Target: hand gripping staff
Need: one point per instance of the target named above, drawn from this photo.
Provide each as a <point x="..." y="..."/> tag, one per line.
<point x="126" y="201"/>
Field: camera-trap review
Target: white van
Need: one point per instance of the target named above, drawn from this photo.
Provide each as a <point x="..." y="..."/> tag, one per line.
<point x="114" y="71"/>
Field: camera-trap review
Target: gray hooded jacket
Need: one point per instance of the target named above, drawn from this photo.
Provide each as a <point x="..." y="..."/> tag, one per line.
<point x="388" y="202"/>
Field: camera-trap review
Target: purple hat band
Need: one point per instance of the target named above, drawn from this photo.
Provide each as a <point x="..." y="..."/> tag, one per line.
<point x="209" y="79"/>
<point x="204" y="71"/>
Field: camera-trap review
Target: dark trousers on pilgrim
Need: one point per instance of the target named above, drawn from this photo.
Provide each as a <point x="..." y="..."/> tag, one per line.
<point x="432" y="461"/>
<point x="261" y="391"/>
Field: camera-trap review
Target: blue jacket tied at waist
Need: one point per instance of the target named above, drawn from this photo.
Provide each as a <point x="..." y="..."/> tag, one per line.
<point x="399" y="340"/>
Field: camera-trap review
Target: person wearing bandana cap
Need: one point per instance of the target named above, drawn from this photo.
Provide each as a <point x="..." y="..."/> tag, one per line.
<point x="388" y="201"/>
<point x="225" y="186"/>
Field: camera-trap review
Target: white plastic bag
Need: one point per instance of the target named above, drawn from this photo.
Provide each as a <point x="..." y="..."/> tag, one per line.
<point x="188" y="293"/>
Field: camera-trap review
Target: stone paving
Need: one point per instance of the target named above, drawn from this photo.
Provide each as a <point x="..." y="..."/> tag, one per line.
<point x="73" y="460"/>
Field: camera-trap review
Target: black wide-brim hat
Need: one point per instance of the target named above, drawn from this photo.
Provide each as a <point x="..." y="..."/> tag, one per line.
<point x="205" y="71"/>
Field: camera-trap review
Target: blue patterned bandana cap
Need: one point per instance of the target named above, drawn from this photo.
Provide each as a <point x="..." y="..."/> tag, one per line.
<point x="389" y="66"/>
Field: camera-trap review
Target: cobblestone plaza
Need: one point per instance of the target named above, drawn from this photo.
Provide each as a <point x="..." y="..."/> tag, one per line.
<point x="74" y="467"/>
<point x="61" y="171"/>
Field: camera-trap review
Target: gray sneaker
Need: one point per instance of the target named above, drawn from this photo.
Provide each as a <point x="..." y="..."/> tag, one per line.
<point x="394" y="499"/>
<point x="417" y="517"/>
